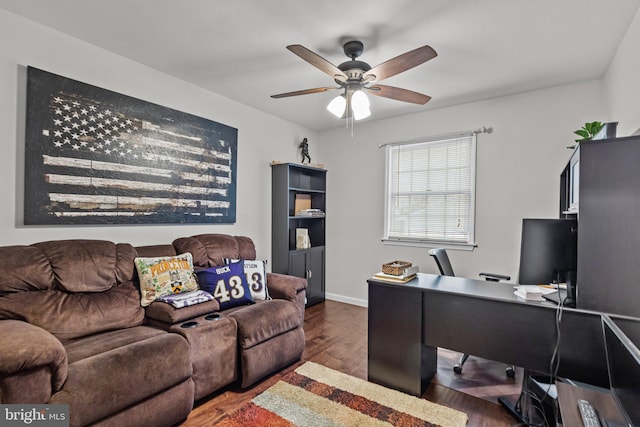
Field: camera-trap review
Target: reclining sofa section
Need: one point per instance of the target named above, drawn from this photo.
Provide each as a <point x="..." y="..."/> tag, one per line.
<point x="72" y="330"/>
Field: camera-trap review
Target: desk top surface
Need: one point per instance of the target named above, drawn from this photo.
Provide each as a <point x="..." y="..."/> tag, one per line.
<point x="498" y="291"/>
<point x="463" y="287"/>
<point x="522" y="332"/>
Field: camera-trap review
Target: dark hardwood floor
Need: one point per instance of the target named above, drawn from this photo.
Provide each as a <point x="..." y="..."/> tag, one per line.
<point x="337" y="338"/>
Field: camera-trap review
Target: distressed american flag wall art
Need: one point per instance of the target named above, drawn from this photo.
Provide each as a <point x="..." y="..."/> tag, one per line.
<point x="95" y="156"/>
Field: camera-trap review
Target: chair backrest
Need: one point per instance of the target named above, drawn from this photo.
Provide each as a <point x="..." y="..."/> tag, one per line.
<point x="442" y="260"/>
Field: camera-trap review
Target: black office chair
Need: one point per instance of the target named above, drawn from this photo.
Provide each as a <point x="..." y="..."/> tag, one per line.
<point x="444" y="265"/>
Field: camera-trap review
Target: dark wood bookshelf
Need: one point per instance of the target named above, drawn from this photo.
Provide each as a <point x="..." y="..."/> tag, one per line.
<point x="291" y="182"/>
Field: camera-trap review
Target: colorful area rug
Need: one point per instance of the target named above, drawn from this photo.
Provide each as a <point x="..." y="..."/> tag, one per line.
<point x="314" y="395"/>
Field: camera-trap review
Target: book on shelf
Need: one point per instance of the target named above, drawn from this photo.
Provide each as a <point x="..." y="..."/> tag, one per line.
<point x="302" y="202"/>
<point x="302" y="238"/>
<point x="310" y="212"/>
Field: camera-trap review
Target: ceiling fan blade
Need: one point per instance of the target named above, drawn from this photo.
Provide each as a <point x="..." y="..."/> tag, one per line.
<point x="398" y="94"/>
<point x="401" y="63"/>
<point x="317" y="61"/>
<point x="306" y="91"/>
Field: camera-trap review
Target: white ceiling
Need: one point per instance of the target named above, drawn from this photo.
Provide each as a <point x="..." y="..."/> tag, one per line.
<point x="486" y="48"/>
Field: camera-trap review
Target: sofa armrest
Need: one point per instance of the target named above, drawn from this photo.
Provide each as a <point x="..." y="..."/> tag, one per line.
<point x="25" y="349"/>
<point x="283" y="286"/>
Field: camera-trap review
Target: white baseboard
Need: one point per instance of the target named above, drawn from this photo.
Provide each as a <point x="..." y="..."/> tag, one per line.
<point x="347" y="300"/>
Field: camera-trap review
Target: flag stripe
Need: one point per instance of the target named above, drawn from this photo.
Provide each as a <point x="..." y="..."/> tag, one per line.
<point x="122" y="184"/>
<point x="71" y="162"/>
<point x="121" y="213"/>
<point x="112" y="202"/>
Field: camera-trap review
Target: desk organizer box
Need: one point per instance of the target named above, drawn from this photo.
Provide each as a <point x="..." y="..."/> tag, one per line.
<point x="395" y="268"/>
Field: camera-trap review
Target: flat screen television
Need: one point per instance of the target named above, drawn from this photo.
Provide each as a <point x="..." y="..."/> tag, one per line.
<point x="548" y="251"/>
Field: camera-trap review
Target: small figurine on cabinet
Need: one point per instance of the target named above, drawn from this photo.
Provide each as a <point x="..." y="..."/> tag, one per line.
<point x="304" y="150"/>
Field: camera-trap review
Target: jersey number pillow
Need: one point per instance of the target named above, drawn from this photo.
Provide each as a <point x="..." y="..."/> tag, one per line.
<point x="227" y="284"/>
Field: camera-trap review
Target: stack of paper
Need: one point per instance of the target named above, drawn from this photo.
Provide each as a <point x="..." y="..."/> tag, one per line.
<point x="529" y="292"/>
<point x="408" y="275"/>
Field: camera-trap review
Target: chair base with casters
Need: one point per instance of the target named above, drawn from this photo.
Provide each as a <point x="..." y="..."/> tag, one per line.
<point x="444" y="265"/>
<point x="457" y="368"/>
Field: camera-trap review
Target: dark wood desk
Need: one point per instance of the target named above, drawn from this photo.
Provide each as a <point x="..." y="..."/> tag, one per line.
<point x="407" y="322"/>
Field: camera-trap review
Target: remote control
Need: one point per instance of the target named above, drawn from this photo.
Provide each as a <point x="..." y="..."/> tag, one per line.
<point x="588" y="414"/>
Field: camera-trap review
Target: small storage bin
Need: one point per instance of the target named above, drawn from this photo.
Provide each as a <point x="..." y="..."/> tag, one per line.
<point x="395" y="268"/>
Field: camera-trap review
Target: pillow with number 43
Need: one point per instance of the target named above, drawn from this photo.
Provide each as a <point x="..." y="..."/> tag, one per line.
<point x="227" y="283"/>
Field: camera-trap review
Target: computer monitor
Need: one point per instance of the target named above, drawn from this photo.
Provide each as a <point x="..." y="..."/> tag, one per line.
<point x="548" y="251"/>
<point x="623" y="364"/>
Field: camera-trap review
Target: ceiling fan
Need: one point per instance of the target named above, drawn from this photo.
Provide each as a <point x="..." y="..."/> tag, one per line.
<point x="357" y="77"/>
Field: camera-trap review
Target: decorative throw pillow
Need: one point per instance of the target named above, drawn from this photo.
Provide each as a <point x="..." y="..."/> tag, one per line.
<point x="227" y="283"/>
<point x="165" y="276"/>
<point x="254" y="270"/>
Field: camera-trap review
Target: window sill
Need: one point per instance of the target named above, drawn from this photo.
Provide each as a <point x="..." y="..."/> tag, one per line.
<point x="430" y="244"/>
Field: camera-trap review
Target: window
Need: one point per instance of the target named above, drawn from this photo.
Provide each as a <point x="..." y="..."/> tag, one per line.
<point x="430" y="191"/>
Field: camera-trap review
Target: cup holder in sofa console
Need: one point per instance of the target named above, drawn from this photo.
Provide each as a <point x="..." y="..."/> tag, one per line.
<point x="188" y="325"/>
<point x="212" y="316"/>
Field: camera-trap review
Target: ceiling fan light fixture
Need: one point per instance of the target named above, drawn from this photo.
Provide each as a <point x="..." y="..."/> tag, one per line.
<point x="360" y="105"/>
<point x="337" y="106"/>
<point x="355" y="76"/>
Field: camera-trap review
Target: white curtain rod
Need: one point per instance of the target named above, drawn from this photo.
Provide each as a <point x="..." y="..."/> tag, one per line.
<point x="483" y="129"/>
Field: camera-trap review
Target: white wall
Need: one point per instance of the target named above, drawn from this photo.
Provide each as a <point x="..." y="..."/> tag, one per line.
<point x="518" y="171"/>
<point x="261" y="137"/>
<point x="518" y="164"/>
<point x="622" y="82"/>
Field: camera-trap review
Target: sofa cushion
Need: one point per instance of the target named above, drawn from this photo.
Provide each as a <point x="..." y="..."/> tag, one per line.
<point x="156" y="250"/>
<point x="84" y="347"/>
<point x="265" y="320"/>
<point x="227" y="284"/>
<point x="108" y="382"/>
<point x="196" y="249"/>
<point x="160" y="276"/>
<point x="125" y="267"/>
<point x="73" y="315"/>
<point x="24" y="268"/>
<point x="87" y="265"/>
<point x="209" y="250"/>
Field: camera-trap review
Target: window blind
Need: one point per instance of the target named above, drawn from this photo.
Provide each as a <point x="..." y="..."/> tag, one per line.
<point x="430" y="190"/>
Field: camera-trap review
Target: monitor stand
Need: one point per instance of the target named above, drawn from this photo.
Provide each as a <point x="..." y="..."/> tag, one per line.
<point x="568" y="296"/>
<point x="560" y="296"/>
<point x="557" y="296"/>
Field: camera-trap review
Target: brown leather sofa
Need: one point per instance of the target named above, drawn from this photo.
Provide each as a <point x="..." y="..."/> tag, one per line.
<point x="72" y="331"/>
